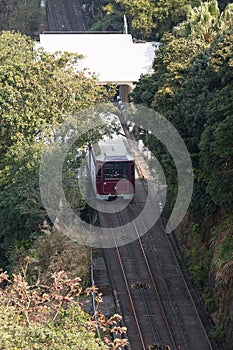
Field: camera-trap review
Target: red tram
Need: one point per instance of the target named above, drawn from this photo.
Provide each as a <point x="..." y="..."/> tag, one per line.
<point x="112" y="169"/>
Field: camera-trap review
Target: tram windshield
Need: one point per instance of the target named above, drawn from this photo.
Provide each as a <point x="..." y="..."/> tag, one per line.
<point x="115" y="170"/>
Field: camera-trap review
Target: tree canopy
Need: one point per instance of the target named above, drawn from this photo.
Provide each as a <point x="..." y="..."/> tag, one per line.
<point x="20" y="15"/>
<point x="147" y="18"/>
<point x="192" y="86"/>
<point x="37" y="92"/>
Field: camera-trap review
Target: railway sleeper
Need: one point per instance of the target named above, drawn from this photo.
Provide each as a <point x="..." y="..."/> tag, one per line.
<point x="139" y="285"/>
<point x="159" y="347"/>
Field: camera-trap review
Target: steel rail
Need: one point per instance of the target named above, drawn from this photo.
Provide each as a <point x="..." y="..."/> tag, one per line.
<point x="164" y="283"/>
<point x="163" y="313"/>
<point x="182" y="276"/>
<point x="142" y="291"/>
<point x="175" y="257"/>
<point x="127" y="288"/>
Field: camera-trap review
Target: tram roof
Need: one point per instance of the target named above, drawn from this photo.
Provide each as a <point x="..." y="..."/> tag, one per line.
<point x="113" y="150"/>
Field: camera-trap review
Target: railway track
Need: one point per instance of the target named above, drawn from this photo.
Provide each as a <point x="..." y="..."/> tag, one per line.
<point x="154" y="298"/>
<point x="152" y="285"/>
<point x="65" y="15"/>
<point x="148" y="322"/>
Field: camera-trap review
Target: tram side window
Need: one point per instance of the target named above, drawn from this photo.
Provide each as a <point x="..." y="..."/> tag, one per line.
<point x="131" y="170"/>
<point x="99" y="172"/>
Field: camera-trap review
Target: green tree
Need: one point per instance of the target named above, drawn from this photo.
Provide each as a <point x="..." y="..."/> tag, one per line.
<point x="20" y="15"/>
<point x="216" y="140"/>
<point x="168" y="13"/>
<point x="36" y="316"/>
<point x="183" y="88"/>
<point x="147" y="19"/>
<point x="141" y="14"/>
<point x="205" y="22"/>
<point x="37" y="93"/>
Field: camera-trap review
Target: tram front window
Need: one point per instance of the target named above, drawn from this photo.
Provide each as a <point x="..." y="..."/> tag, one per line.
<point x="115" y="170"/>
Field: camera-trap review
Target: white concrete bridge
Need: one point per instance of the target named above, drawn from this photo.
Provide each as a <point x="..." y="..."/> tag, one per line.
<point x="114" y="58"/>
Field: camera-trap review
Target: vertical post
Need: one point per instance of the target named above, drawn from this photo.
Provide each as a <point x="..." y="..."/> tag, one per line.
<point x="125" y="28"/>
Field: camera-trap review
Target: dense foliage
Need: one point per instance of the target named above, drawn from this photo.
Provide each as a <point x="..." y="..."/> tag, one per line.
<point x="50" y="316"/>
<point x="147" y="19"/>
<point x="37" y="91"/>
<point x="192" y="86"/>
<point x="20" y="15"/>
